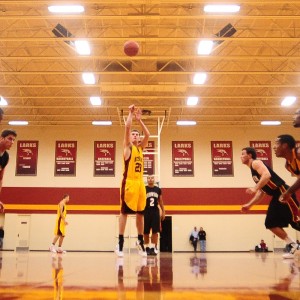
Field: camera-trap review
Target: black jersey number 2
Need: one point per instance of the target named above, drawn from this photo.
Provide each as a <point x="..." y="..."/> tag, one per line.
<point x="152" y="201"/>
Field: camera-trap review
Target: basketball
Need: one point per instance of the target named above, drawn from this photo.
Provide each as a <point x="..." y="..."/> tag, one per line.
<point x="131" y="48"/>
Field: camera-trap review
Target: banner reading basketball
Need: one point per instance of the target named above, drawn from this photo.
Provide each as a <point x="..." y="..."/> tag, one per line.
<point x="263" y="150"/>
<point x="183" y="158"/>
<point x="65" y="158"/>
<point x="149" y="159"/>
<point x="27" y="154"/>
<point x="104" y="158"/>
<point x="222" y="163"/>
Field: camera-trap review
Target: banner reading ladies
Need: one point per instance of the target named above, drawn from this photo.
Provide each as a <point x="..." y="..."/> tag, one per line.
<point x="65" y="158"/>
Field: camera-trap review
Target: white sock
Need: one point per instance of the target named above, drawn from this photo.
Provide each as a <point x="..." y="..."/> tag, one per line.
<point x="288" y="240"/>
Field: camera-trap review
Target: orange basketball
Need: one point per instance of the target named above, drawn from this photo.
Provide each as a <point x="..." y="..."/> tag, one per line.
<point x="131" y="48"/>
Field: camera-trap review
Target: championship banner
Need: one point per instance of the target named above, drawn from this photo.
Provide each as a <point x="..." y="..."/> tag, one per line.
<point x="149" y="159"/>
<point x="65" y="158"/>
<point x="183" y="158"/>
<point x="104" y="158"/>
<point x="263" y="150"/>
<point x="222" y="162"/>
<point x="27" y="154"/>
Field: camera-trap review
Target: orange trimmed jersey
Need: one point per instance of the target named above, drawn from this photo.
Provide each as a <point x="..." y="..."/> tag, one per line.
<point x="60" y="228"/>
<point x="293" y="166"/>
<point x="133" y="191"/>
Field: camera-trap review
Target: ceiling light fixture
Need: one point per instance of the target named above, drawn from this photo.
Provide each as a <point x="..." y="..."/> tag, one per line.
<point x="88" y="78"/>
<point x="270" y="123"/>
<point x="205" y="47"/>
<point x="288" y="101"/>
<point x="76" y="9"/>
<point x="103" y="123"/>
<point x="199" y="78"/>
<point x="192" y="101"/>
<point x="3" y="101"/>
<point x="96" y="101"/>
<point x="83" y="47"/>
<point x="225" y="8"/>
<point x="186" y="123"/>
<point x="18" y="123"/>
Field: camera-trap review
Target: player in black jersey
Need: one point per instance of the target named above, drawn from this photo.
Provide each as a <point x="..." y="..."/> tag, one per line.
<point x="279" y="214"/>
<point x="285" y="146"/>
<point x="7" y="139"/>
<point x="152" y="217"/>
<point x="296" y="118"/>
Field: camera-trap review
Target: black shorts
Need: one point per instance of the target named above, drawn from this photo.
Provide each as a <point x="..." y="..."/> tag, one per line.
<point x="125" y="210"/>
<point x="151" y="220"/>
<point x="279" y="214"/>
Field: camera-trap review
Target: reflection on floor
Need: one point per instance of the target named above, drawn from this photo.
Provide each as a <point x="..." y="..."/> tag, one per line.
<point x="88" y="275"/>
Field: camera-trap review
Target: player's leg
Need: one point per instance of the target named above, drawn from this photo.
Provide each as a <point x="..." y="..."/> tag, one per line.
<point x="140" y="230"/>
<point x="141" y="204"/>
<point x="155" y="230"/>
<point x="52" y="246"/>
<point x="60" y="242"/>
<point x="279" y="216"/>
<point x="147" y="228"/>
<point x="122" y="226"/>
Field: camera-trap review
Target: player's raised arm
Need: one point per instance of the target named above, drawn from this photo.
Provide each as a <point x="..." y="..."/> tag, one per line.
<point x="127" y="134"/>
<point x="138" y="116"/>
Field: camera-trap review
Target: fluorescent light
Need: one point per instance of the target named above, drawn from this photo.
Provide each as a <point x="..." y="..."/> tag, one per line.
<point x="226" y="8"/>
<point x="270" y="123"/>
<point x="18" y="123"/>
<point x="205" y="47"/>
<point x="66" y="9"/>
<point x="191" y="101"/>
<point x="88" y="78"/>
<point x="288" y="101"/>
<point x="83" y="47"/>
<point x="103" y="123"/>
<point x="95" y="101"/>
<point x="3" y="102"/>
<point x="199" y="78"/>
<point x="186" y="123"/>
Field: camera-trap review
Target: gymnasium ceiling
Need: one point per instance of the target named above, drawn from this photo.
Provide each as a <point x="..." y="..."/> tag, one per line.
<point x="248" y="73"/>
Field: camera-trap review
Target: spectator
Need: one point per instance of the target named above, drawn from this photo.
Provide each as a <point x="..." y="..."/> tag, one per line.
<point x="262" y="247"/>
<point x="194" y="238"/>
<point x="202" y="239"/>
<point x="1" y="236"/>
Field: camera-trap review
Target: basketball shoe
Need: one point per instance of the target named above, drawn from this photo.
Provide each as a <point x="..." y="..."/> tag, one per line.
<point x="141" y="251"/>
<point x="291" y="253"/>
<point x="52" y="249"/>
<point x="118" y="252"/>
<point x="60" y="250"/>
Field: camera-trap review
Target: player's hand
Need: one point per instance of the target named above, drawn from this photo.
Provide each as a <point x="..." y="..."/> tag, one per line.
<point x="284" y="197"/>
<point x="131" y="108"/>
<point x="138" y="114"/>
<point x="162" y="216"/>
<point x="251" y="191"/>
<point x="66" y="223"/>
<point x="245" y="208"/>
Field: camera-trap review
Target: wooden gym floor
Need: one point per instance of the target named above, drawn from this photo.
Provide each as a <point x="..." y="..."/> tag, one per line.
<point x="90" y="275"/>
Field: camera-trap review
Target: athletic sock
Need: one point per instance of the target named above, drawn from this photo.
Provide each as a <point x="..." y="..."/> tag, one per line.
<point x="121" y="242"/>
<point x="141" y="240"/>
<point x="288" y="240"/>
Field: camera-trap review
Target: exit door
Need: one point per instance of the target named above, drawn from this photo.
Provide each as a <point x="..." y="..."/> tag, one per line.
<point x="23" y="227"/>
